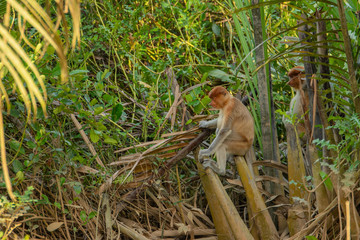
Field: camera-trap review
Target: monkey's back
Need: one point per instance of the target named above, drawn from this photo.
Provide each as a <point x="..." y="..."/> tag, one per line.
<point x="242" y="124"/>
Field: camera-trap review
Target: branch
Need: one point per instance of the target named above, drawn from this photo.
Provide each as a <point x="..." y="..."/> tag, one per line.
<point x="169" y="164"/>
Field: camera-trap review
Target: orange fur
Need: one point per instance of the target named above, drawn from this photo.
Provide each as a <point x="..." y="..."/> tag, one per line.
<point x="235" y="127"/>
<point x="300" y="102"/>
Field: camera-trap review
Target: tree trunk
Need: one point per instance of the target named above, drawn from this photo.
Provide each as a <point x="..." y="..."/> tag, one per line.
<point x="296" y="171"/>
<point x="270" y="151"/>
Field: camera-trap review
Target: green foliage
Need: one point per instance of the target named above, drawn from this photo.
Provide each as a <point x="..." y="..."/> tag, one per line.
<point x="119" y="92"/>
<point x="327" y="181"/>
<point x="117" y="87"/>
<point x="85" y="218"/>
<point x="346" y="149"/>
<point x="11" y="211"/>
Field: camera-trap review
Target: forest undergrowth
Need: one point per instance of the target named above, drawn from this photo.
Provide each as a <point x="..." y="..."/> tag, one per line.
<point x="115" y="154"/>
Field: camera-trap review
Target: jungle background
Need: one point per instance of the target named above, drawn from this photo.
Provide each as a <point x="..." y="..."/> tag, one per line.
<point x="99" y="108"/>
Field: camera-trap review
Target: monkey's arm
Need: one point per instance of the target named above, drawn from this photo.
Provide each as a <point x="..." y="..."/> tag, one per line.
<point x="208" y="124"/>
<point x="219" y="139"/>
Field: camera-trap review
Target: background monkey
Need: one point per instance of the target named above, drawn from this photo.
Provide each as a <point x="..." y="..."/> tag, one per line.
<point x="300" y="102"/>
<point x="234" y="130"/>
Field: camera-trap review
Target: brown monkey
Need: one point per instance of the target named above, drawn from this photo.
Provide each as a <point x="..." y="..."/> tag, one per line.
<point x="234" y="130"/>
<point x="300" y="102"/>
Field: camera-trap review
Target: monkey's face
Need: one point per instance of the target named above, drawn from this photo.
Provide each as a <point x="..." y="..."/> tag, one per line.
<point x="214" y="103"/>
<point x="297" y="82"/>
<point x="218" y="96"/>
<point x="219" y="101"/>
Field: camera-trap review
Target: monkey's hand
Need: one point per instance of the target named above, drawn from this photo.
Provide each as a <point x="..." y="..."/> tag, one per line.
<point x="203" y="124"/>
<point x="213" y="165"/>
<point x="208" y="124"/>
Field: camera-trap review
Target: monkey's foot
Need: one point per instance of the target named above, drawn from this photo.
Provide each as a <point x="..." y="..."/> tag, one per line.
<point x="204" y="159"/>
<point x="203" y="153"/>
<point x="230" y="159"/>
<point x="213" y="165"/>
<point x="229" y="174"/>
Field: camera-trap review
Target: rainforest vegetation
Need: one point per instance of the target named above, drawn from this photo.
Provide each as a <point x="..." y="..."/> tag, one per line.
<point x="100" y="105"/>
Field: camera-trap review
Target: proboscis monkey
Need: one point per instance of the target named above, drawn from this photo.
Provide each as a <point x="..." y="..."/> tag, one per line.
<point x="300" y="102"/>
<point x="234" y="130"/>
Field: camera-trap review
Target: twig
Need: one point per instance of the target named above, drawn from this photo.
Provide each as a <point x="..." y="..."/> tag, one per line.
<point x="130" y="232"/>
<point x="63" y="208"/>
<point x="320" y="217"/>
<point x="180" y="155"/>
<point x="87" y="141"/>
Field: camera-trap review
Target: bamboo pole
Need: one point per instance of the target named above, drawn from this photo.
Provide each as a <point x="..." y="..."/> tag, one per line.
<point x="265" y="225"/>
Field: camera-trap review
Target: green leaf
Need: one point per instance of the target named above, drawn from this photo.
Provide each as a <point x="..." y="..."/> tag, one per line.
<point x="204" y="77"/>
<point x="106" y="74"/>
<point x="58" y="205"/>
<point x="17" y="166"/>
<point x="110" y="140"/>
<point x="98" y="76"/>
<point x="99" y="86"/>
<point x="78" y="71"/>
<point x="31" y="144"/>
<point x="117" y="112"/>
<point x="188" y="97"/>
<point x="77" y="188"/>
<point x="93" y="102"/>
<point x="51" y="50"/>
<point x="220" y="74"/>
<point x="189" y="121"/>
<point x="108" y="98"/>
<point x="92" y="214"/>
<point x="93" y="136"/>
<point x="327" y="182"/>
<point x="83" y="216"/>
<point x="98" y="110"/>
<point x="59" y="109"/>
<point x="2" y="8"/>
<point x="62" y="181"/>
<point x="205" y="101"/>
<point x="100" y="127"/>
<point x="79" y="158"/>
<point x="34" y="158"/>
<point x="15" y="145"/>
<point x="216" y="29"/>
<point x="45" y="199"/>
<point x="20" y="176"/>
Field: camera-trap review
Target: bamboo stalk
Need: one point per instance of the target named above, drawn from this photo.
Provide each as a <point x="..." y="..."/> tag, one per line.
<point x="222" y="227"/>
<point x="265" y="225"/>
<point x="236" y="224"/>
